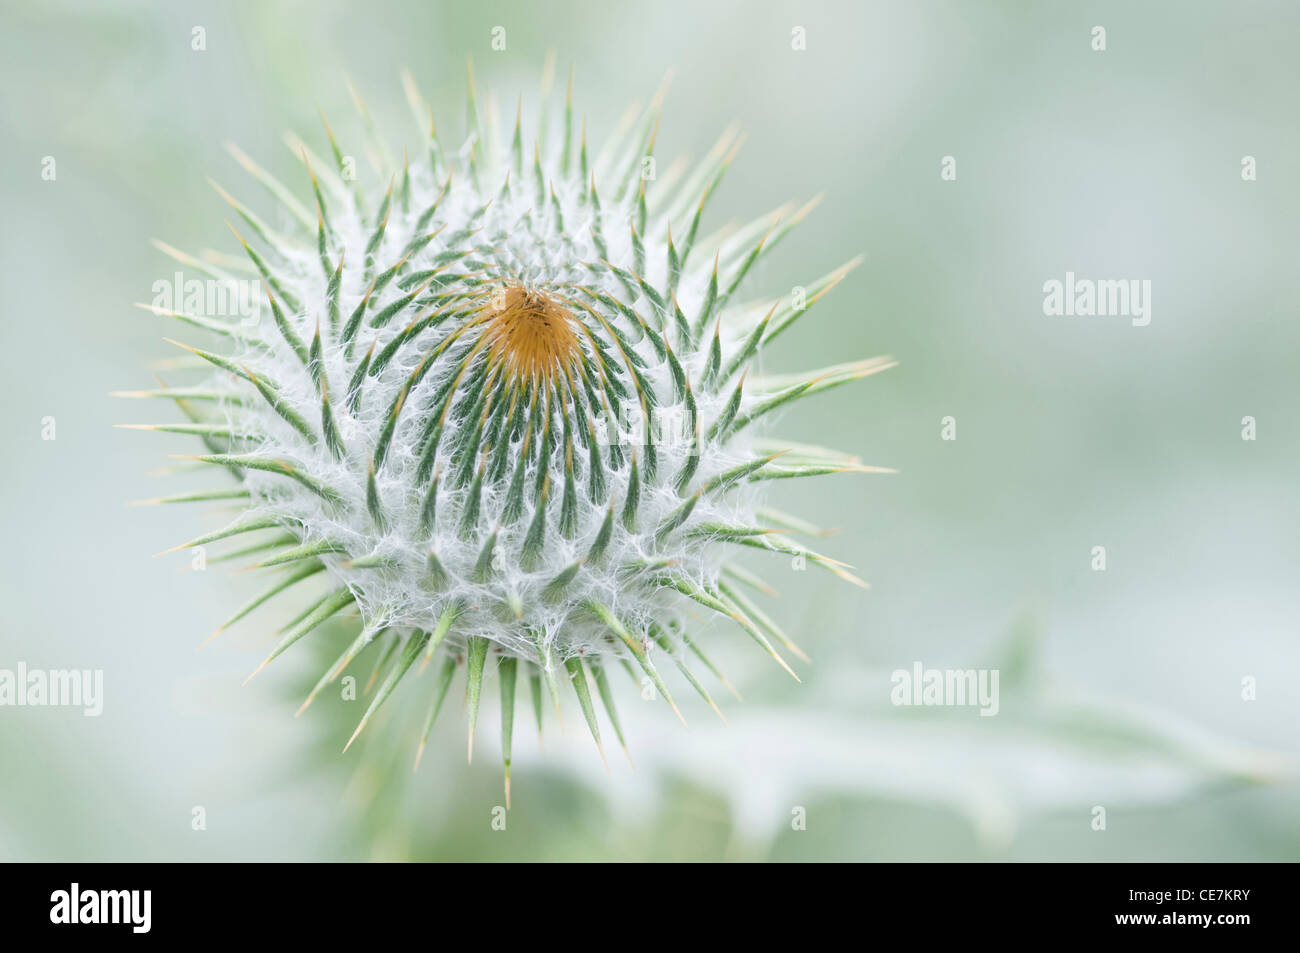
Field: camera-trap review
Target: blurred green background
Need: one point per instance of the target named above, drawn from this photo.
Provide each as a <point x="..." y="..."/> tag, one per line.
<point x="1120" y="689"/>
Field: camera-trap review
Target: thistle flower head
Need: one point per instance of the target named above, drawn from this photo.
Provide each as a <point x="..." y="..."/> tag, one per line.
<point x="504" y="402"/>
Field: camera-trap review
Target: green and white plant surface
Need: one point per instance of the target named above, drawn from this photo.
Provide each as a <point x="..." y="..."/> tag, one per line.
<point x="506" y="401"/>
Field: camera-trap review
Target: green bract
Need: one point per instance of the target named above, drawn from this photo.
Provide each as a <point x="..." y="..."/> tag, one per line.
<point x="503" y="401"/>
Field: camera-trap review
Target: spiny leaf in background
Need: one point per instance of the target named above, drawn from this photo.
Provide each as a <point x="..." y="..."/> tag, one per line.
<point x="504" y="401"/>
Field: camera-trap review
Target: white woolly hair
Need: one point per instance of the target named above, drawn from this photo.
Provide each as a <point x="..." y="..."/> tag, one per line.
<point x="397" y="595"/>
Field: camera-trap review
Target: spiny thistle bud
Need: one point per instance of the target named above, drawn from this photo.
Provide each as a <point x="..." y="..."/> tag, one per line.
<point x="502" y="401"/>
